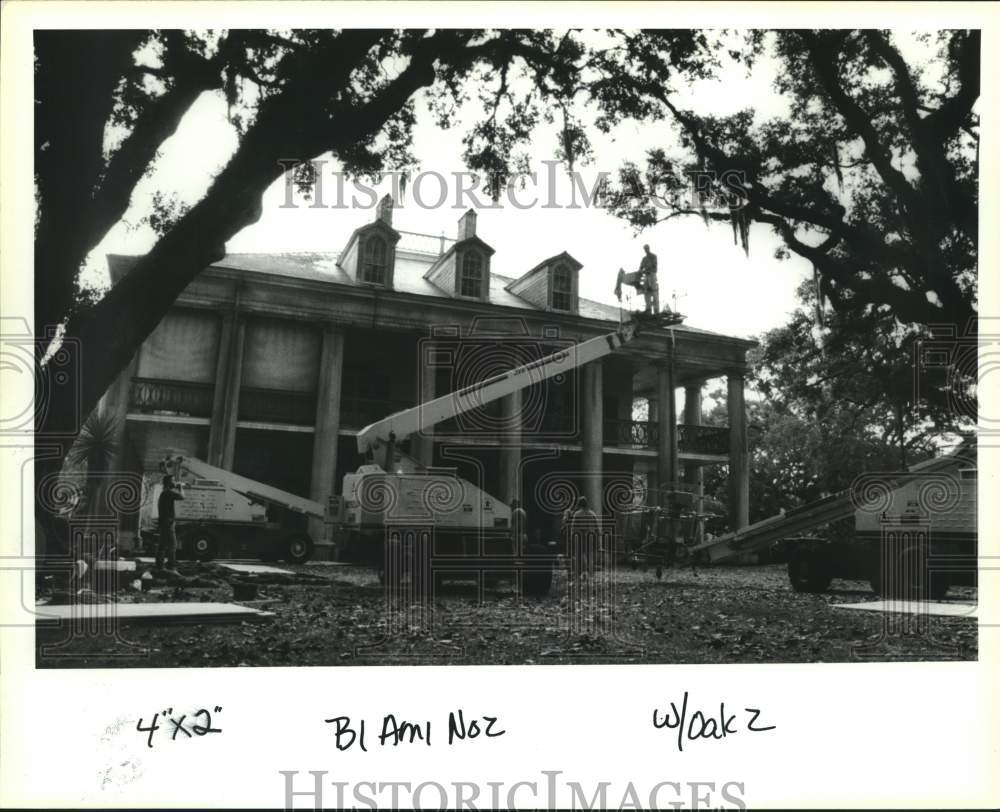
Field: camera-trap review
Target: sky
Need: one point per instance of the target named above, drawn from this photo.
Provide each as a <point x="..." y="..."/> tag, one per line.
<point x="717" y="286"/>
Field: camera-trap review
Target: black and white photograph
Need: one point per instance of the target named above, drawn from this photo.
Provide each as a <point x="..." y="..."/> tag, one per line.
<point x="387" y="350"/>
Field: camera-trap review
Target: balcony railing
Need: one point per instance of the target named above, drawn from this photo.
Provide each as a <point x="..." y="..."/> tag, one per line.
<point x="645" y="434"/>
<point x="640" y="433"/>
<point x="155" y="396"/>
<point x="703" y="439"/>
<point x="278" y="406"/>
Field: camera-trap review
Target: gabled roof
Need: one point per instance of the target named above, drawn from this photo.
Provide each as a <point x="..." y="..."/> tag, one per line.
<point x="379" y="225"/>
<point x="409" y="279"/>
<point x="564" y="256"/>
<point x="479" y="243"/>
<point x="473" y="240"/>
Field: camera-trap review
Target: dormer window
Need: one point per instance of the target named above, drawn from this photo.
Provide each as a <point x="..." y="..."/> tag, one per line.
<point x="471" y="282"/>
<point x="562" y="288"/>
<point x="375" y="265"/>
<point x="553" y="284"/>
<point x="463" y="271"/>
<point x="369" y="258"/>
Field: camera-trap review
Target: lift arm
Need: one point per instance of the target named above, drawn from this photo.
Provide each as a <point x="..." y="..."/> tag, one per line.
<point x="400" y="425"/>
<point x="250" y="488"/>
<point x="823" y="511"/>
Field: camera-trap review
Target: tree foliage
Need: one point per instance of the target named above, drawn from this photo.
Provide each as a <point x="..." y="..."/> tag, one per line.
<point x="871" y="175"/>
<point x="107" y="100"/>
<point x="830" y="404"/>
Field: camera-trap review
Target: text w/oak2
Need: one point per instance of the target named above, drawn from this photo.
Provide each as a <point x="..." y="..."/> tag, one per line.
<point x="400" y="731"/>
<point x="701" y="725"/>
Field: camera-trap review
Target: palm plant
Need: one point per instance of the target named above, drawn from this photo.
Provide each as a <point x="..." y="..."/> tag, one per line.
<point x="95" y="449"/>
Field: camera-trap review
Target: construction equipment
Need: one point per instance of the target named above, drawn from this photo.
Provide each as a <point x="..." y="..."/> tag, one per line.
<point x="396" y="509"/>
<point x="912" y="544"/>
<point x="396" y="427"/>
<point x="386" y="499"/>
<point x="645" y="532"/>
<point x="223" y="509"/>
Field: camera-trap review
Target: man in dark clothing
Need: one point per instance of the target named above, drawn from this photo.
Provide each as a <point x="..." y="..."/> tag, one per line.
<point x="651" y="288"/>
<point x="584" y="528"/>
<point x="167" y="542"/>
<point x="519" y="526"/>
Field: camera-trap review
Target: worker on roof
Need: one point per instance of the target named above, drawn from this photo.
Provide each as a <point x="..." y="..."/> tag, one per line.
<point x="650" y="285"/>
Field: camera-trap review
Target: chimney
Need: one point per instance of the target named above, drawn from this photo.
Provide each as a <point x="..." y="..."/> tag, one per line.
<point x="467" y="225"/>
<point x="384" y="210"/>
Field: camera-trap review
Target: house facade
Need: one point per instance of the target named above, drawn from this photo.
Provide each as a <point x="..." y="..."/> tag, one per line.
<point x="269" y="364"/>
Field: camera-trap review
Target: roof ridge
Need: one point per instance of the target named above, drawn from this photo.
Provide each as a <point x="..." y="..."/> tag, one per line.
<point x="598" y="310"/>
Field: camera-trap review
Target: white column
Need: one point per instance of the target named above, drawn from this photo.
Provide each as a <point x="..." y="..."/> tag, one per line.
<point x="231" y="407"/>
<point x="323" y="482"/>
<point x="739" y="469"/>
<point x="510" y="451"/>
<point x="693" y="473"/>
<point x="592" y="458"/>
<point x="223" y="361"/>
<point x="666" y="446"/>
<point x="422" y="443"/>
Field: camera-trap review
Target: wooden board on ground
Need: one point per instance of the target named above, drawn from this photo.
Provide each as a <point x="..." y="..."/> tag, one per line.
<point x="256" y="569"/>
<point x="220" y="561"/>
<point x="150" y="614"/>
<point x="939" y="608"/>
<point x="118" y="565"/>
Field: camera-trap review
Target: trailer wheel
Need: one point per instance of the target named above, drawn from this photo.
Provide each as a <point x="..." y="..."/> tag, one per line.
<point x="201" y="545"/>
<point x="298" y="548"/>
<point x="808" y="572"/>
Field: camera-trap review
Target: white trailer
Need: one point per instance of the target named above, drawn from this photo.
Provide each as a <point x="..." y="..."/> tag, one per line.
<point x="914" y="532"/>
<point x="223" y="510"/>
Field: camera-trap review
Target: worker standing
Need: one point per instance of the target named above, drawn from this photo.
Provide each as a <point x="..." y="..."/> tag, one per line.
<point x="584" y="528"/>
<point x="564" y="541"/>
<point x="167" y="541"/>
<point x="519" y="526"/>
<point x="651" y="287"/>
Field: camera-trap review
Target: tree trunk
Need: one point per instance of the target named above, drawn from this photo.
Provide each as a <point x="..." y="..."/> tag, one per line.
<point x="107" y="335"/>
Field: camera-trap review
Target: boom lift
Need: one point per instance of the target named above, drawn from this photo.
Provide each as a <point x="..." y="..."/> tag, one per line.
<point x="912" y="546"/>
<point x="471" y="529"/>
<point x="223" y="509"/>
<point x="400" y="425"/>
